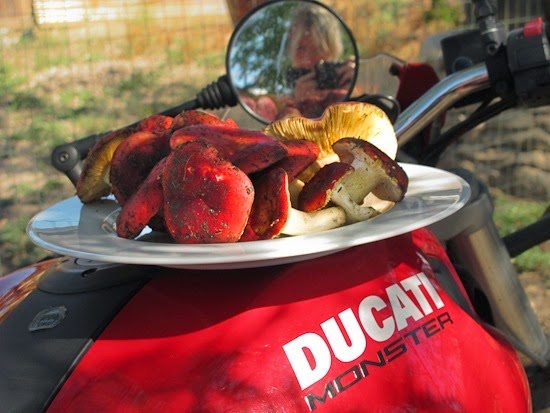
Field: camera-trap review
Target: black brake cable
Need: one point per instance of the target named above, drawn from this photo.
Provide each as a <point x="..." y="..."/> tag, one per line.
<point x="483" y="113"/>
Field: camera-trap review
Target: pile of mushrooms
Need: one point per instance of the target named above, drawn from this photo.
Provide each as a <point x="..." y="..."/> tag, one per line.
<point x="205" y="180"/>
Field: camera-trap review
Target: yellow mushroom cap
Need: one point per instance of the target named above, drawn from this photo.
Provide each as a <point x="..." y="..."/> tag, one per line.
<point x="340" y="120"/>
<point x="93" y="182"/>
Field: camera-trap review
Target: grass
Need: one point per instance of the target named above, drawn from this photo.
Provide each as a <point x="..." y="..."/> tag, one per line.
<point x="47" y="99"/>
<point x="9" y="79"/>
<point x="17" y="248"/>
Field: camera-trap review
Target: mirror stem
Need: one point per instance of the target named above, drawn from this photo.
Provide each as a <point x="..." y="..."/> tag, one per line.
<point x="216" y="95"/>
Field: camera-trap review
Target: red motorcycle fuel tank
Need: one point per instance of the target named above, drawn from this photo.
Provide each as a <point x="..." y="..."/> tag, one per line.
<point x="383" y="327"/>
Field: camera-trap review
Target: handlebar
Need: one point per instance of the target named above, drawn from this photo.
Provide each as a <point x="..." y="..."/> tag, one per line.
<point x="67" y="158"/>
<point x="517" y="71"/>
<point x="438" y="99"/>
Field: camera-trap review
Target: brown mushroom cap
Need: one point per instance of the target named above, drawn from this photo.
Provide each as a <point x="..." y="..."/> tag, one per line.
<point x="93" y="182"/>
<point x="206" y="198"/>
<point x="317" y="192"/>
<point x="374" y="172"/>
<point x="340" y="120"/>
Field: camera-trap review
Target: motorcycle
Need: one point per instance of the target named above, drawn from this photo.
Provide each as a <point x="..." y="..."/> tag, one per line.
<point x="418" y="309"/>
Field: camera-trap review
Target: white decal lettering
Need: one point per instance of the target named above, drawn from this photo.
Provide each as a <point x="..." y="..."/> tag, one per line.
<point x="378" y="332"/>
<point x="402" y="306"/>
<point x="412" y="284"/>
<point x="431" y="290"/>
<point x="337" y="341"/>
<point x="295" y="352"/>
<point x="310" y="354"/>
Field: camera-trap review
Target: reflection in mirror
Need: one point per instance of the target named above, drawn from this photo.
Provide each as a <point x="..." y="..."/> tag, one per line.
<point x="291" y="57"/>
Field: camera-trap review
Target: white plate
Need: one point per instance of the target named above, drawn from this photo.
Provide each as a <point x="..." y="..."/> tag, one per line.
<point x="87" y="231"/>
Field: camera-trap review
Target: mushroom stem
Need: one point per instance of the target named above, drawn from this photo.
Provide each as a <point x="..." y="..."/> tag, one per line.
<point x="300" y="222"/>
<point x="294" y="188"/>
<point x="364" y="177"/>
<point x="374" y="171"/>
<point x="355" y="209"/>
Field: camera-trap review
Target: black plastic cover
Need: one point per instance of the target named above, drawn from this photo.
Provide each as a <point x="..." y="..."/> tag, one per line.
<point x="43" y="338"/>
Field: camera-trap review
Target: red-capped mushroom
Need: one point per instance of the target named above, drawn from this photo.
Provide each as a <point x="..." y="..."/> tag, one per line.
<point x="206" y="198"/>
<point x="143" y="205"/>
<point x="330" y="184"/>
<point x="272" y="213"/>
<point x="317" y="192"/>
<point x="199" y="117"/>
<point x="249" y="150"/>
<point x="301" y="154"/>
<point x="156" y="123"/>
<point x="94" y="181"/>
<point x="133" y="160"/>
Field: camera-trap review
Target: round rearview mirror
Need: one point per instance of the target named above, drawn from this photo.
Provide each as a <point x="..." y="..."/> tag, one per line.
<point x="291" y="57"/>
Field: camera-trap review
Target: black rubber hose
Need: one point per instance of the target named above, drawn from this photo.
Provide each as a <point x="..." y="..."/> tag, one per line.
<point x="528" y="237"/>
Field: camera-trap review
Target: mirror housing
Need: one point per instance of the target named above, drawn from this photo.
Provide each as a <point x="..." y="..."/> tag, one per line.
<point x="291" y="56"/>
